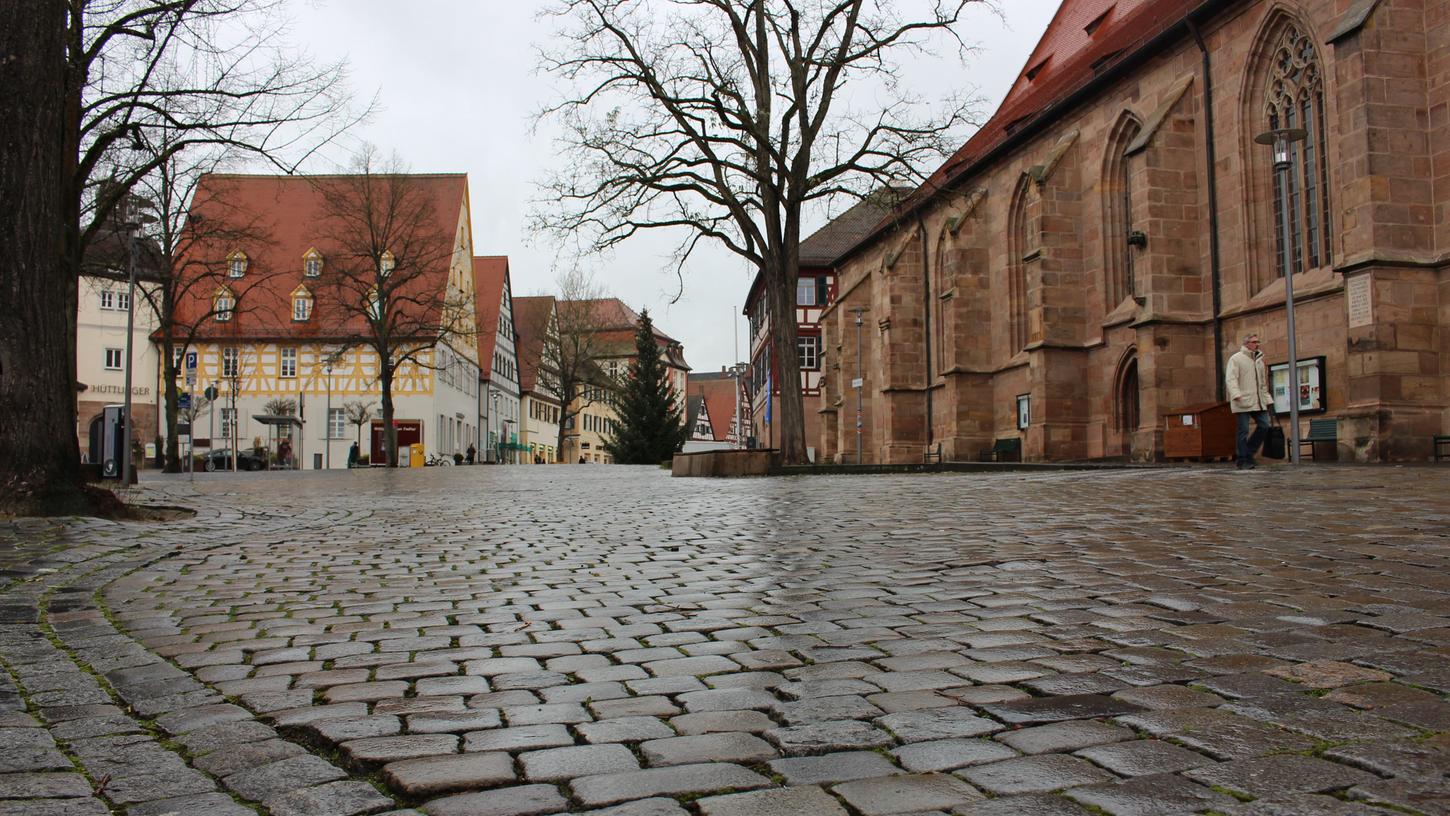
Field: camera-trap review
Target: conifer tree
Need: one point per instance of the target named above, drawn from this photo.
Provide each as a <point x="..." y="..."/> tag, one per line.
<point x="650" y="426"/>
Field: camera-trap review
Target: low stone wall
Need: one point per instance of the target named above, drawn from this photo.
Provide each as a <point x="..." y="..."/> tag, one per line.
<point x="726" y="464"/>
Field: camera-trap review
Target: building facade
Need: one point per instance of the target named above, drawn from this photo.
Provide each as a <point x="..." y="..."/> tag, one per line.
<point x="1078" y="273"/>
<point x="284" y="330"/>
<point x="714" y="411"/>
<point x="537" y="324"/>
<point x="101" y="358"/>
<point x="499" y="361"/>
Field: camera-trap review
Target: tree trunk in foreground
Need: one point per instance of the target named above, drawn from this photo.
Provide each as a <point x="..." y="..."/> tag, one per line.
<point x="40" y="470"/>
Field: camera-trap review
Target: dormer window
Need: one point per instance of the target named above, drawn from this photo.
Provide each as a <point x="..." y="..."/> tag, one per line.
<point x="1036" y="69"/>
<point x="223" y="305"/>
<point x="301" y="305"/>
<point x="312" y="264"/>
<point x="386" y="264"/>
<point x="1097" y="21"/>
<point x="237" y="264"/>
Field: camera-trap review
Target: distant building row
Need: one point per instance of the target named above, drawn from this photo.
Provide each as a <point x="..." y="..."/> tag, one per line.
<point x="270" y="328"/>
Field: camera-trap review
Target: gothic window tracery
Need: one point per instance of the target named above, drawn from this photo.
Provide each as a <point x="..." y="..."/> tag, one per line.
<point x="1294" y="98"/>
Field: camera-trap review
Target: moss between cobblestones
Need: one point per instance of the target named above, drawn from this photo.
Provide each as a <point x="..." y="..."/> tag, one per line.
<point x="1239" y="795"/>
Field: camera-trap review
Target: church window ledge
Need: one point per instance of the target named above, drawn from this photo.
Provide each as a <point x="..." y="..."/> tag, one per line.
<point x="1319" y="281"/>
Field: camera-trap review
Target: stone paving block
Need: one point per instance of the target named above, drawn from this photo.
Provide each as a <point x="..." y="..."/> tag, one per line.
<point x="43" y="786"/>
<point x="727" y="747"/>
<point x="651" y="706"/>
<point x="1144" y="757"/>
<point x="829" y="768"/>
<point x="259" y="782"/>
<point x="827" y="737"/>
<point x="1306" y="804"/>
<point x="1160" y="697"/>
<point x="250" y="755"/>
<point x="1032" y="804"/>
<point x="302" y="716"/>
<point x="193" y="719"/>
<point x="545" y="714"/>
<point x="557" y="764"/>
<point x="429" y="686"/>
<point x="1427" y="759"/>
<point x="436" y="775"/>
<point x="1064" y="736"/>
<point x="365" y="692"/>
<point x="1058" y="709"/>
<point x="352" y="728"/>
<point x="380" y="750"/>
<point x="624" y="729"/>
<point x="938" y="723"/>
<point x="1220" y="734"/>
<point x="1151" y="796"/>
<point x="779" y="802"/>
<point x="331" y="799"/>
<point x="945" y="755"/>
<point x="906" y="793"/>
<point x="225" y="735"/>
<point x="711" y="722"/>
<point x="1405" y="794"/>
<point x="203" y="804"/>
<point x="608" y="789"/>
<point x="456" y="722"/>
<point x="693" y="666"/>
<point x="737" y="699"/>
<point x="1272" y="775"/>
<point x="1035" y="774"/>
<point x="55" y="807"/>
<point x="521" y="738"/>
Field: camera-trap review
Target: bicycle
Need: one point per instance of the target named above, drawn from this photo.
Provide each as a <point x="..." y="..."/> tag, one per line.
<point x="434" y="460"/>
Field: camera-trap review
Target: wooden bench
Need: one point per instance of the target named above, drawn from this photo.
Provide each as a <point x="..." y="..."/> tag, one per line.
<point x="1004" y="450"/>
<point x="1321" y="430"/>
<point x="1441" y="446"/>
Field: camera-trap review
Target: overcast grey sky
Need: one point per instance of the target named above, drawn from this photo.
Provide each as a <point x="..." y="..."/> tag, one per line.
<point x="458" y="89"/>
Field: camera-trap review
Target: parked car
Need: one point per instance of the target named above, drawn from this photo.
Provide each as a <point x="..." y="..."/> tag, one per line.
<point x="221" y="459"/>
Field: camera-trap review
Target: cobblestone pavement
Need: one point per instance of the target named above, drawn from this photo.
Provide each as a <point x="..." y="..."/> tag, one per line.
<point x="492" y="642"/>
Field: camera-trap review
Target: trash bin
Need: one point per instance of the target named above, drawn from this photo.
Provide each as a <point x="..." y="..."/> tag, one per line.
<point x="416" y="457"/>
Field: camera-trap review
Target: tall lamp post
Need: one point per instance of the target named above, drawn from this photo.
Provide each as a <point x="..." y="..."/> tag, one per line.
<point x="133" y="218"/>
<point x="328" y="424"/>
<point x="735" y="372"/>
<point x="860" y="381"/>
<point x="1281" y="141"/>
<point x="498" y="445"/>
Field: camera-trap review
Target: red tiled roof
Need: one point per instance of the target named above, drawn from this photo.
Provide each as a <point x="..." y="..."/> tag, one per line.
<point x="718" y="392"/>
<point x="531" y="317"/>
<point x="615" y="326"/>
<point x="489" y="274"/>
<point x="285" y="217"/>
<point x="1065" y="61"/>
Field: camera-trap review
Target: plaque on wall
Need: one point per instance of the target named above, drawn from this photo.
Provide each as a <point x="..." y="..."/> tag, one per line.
<point x="1310" y="386"/>
<point x="1359" y="300"/>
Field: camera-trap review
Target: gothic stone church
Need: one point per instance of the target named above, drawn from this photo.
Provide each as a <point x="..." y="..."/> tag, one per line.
<point x="1085" y="264"/>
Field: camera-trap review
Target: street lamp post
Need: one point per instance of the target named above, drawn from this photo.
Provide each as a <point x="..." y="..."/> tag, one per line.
<point x="735" y="372"/>
<point x="860" y="380"/>
<point x="498" y="445"/>
<point x="131" y="207"/>
<point x="327" y="426"/>
<point x="1282" y="140"/>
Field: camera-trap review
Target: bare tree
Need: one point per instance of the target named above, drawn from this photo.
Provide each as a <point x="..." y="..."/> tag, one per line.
<point x="358" y="414"/>
<point x="724" y="119"/>
<point x="209" y="72"/>
<point x="569" y="363"/>
<point x="389" y="251"/>
<point x="280" y="406"/>
<point x="186" y="260"/>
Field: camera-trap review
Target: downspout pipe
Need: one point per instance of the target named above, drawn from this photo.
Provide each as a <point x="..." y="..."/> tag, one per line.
<point x="1213" y="225"/>
<point x="926" y="322"/>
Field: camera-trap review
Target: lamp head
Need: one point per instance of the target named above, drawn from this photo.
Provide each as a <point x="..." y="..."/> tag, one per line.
<point x="1281" y="141"/>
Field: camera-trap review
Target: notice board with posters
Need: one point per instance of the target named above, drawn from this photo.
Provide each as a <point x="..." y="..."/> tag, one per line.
<point x="1309" y="385"/>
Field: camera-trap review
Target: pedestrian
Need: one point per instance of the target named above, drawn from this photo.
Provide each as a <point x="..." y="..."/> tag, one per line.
<point x="352" y="456"/>
<point x="472" y="452"/>
<point x="1249" y="399"/>
<point x="284" y="454"/>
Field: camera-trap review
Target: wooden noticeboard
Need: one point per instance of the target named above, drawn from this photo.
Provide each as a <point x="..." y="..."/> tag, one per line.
<point x="1199" y="432"/>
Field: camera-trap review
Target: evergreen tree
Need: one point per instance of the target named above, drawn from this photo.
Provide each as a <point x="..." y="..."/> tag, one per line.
<point x="651" y="428"/>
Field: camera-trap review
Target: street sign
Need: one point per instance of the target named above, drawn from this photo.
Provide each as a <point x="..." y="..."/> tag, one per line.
<point x="191" y="368"/>
<point x="857" y="383"/>
<point x="210" y="393"/>
<point x="183" y="401"/>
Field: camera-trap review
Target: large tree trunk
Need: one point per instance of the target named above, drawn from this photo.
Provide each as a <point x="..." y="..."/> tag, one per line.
<point x="390" y="431"/>
<point x="40" y="470"/>
<point x="789" y="413"/>
<point x="169" y="407"/>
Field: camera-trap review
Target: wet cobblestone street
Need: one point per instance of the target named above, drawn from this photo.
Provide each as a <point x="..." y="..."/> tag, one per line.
<point x="500" y="642"/>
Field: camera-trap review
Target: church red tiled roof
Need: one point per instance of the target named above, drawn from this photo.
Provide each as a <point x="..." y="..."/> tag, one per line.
<point x="1085" y="39"/>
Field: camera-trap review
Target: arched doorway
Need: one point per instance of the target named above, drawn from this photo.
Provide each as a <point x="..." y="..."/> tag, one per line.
<point x="1127" y="399"/>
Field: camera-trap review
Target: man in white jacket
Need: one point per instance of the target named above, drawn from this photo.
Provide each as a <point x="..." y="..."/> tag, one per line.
<point x="1249" y="398"/>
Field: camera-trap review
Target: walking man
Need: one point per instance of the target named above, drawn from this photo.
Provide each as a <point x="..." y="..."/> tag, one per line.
<point x="1249" y="398"/>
